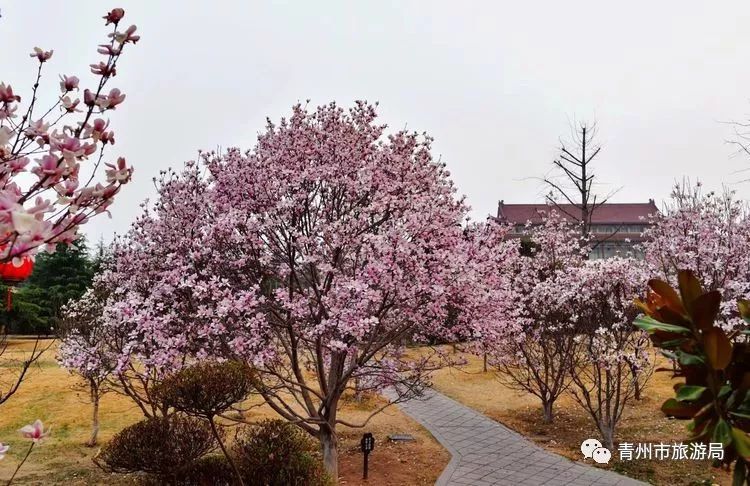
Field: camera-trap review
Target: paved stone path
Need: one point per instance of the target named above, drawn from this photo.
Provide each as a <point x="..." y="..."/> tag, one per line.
<point x="486" y="452"/>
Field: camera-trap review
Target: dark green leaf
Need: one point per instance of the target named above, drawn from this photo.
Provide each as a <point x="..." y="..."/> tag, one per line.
<point x="649" y="324"/>
<point x="741" y="443"/>
<point x="673" y="408"/>
<point x="689" y="393"/>
<point x="722" y="433"/>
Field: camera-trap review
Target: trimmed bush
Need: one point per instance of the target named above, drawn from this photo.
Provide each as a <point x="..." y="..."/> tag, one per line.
<point x="277" y="453"/>
<point x="162" y="446"/>
<point x="206" y="389"/>
<point x="211" y="470"/>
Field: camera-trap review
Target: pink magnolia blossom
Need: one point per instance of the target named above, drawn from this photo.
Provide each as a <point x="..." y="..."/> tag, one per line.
<point x="35" y="431"/>
<point x="70" y="105"/>
<point x="114" y="16"/>
<point x="7" y="95"/>
<point x="68" y="83"/>
<point x="62" y="145"/>
<point x="127" y="36"/>
<point x="41" y="55"/>
<point x="103" y="69"/>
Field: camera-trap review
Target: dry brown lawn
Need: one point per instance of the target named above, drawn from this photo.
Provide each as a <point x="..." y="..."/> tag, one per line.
<point x="642" y="422"/>
<point x="48" y="394"/>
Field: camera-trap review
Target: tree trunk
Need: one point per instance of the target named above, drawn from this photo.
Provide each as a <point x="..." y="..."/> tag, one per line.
<point x="608" y="436"/>
<point x="484" y="365"/>
<point x="330" y="455"/>
<point x="637" y="390"/>
<point x="94" y="417"/>
<point x="548" y="415"/>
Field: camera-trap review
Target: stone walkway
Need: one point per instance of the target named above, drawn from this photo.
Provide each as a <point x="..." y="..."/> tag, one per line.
<point x="486" y="452"/>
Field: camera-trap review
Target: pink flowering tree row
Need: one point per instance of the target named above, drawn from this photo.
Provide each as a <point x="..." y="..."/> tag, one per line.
<point x="316" y="257"/>
<point x="50" y="156"/>
<point x="561" y="323"/>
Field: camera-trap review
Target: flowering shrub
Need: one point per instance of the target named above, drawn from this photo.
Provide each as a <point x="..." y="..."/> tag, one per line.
<point x="716" y="371"/>
<point x="161" y="446"/>
<point x="45" y="201"/>
<point x="276" y="453"/>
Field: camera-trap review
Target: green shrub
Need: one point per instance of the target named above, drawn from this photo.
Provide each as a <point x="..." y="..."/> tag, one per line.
<point x="277" y="453"/>
<point x="162" y="446"/>
<point x="211" y="470"/>
<point x="205" y="389"/>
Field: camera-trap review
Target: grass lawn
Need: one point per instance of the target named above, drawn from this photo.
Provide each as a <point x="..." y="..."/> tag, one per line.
<point x="643" y="421"/>
<point x="48" y="394"/>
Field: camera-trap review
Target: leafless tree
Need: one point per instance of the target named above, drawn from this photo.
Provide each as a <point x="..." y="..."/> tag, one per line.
<point x="541" y="366"/>
<point x="572" y="188"/>
<point x="15" y="369"/>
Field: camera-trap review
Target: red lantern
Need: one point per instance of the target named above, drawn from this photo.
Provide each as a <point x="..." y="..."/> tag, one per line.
<point x="12" y="274"/>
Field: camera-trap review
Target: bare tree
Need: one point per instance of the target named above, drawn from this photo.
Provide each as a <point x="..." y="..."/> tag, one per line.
<point x="16" y="368"/>
<point x="571" y="190"/>
<point x="541" y="366"/>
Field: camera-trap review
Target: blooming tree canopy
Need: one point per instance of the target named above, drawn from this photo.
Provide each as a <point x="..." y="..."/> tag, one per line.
<point x="614" y="358"/>
<point x="315" y="256"/>
<point x="49" y="157"/>
<point x="709" y="234"/>
<point x="528" y="334"/>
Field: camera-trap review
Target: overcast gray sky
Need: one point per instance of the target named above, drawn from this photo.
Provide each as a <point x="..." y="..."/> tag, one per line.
<point x="496" y="82"/>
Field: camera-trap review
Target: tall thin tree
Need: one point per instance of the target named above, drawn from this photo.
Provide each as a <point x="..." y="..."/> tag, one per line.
<point x="574" y="194"/>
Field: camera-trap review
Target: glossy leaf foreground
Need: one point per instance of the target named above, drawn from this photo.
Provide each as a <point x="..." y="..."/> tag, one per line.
<point x="714" y="363"/>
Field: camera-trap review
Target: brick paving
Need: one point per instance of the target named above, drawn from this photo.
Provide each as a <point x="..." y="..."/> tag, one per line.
<point x="485" y="452"/>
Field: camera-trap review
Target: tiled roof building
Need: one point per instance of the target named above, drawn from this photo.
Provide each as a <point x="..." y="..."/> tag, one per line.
<point x="616" y="227"/>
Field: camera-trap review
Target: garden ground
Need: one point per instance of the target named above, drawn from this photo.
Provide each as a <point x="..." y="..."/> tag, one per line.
<point x="48" y="394"/>
<point x="642" y="421"/>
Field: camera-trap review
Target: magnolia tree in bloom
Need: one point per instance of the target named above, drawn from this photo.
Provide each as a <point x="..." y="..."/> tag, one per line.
<point x="50" y="156"/>
<point x="613" y="358"/>
<point x="531" y="341"/>
<point x="709" y="234"/>
<point x="315" y="257"/>
<point x="87" y="347"/>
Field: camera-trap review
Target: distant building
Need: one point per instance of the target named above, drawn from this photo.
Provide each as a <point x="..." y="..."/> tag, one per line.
<point x="616" y="227"/>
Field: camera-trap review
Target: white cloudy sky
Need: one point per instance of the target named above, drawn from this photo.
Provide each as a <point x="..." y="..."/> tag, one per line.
<point x="495" y="82"/>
